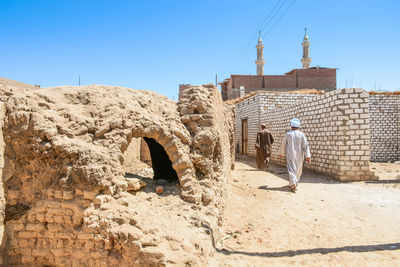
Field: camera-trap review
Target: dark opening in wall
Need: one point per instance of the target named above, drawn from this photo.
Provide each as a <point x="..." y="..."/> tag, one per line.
<point x="162" y="165"/>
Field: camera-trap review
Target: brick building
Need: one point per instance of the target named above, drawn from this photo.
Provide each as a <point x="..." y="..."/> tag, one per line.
<point x="306" y="78"/>
<point x="346" y="128"/>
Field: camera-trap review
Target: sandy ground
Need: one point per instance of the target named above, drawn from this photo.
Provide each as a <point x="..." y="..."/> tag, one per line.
<point x="325" y="223"/>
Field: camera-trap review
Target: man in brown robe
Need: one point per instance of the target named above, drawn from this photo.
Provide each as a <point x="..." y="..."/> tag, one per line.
<point x="263" y="146"/>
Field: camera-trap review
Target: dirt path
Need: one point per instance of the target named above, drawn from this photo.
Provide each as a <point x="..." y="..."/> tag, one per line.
<point x="325" y="223"/>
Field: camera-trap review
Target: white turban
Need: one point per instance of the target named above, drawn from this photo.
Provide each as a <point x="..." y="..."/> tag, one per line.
<point x="295" y="123"/>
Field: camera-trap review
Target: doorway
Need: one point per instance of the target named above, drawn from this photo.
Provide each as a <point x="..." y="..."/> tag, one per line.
<point x="244" y="136"/>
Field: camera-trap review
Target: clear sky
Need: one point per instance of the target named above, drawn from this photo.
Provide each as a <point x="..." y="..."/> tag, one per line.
<point x="159" y="44"/>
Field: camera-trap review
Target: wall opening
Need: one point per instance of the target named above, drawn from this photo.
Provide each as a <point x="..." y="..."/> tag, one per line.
<point x="146" y="158"/>
<point x="161" y="164"/>
<point x="245" y="136"/>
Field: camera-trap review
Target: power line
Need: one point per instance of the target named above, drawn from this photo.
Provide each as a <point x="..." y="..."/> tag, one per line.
<point x="242" y="58"/>
<point x="250" y="42"/>
<point x="277" y="12"/>
<point x="284" y="12"/>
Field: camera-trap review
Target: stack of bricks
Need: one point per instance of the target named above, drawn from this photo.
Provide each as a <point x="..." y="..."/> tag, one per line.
<point x="336" y="125"/>
<point x="384" y="121"/>
<point x="52" y="232"/>
<point x="259" y="105"/>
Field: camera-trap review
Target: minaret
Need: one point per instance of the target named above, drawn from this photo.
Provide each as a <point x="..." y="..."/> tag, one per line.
<point x="260" y="61"/>
<point x="306" y="60"/>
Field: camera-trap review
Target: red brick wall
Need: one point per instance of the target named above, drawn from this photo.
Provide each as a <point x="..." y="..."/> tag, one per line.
<point x="248" y="81"/>
<point x="322" y="79"/>
<point x="316" y="78"/>
<point x="279" y="81"/>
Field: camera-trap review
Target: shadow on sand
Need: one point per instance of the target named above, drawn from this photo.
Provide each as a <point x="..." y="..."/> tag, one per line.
<point x="281" y="188"/>
<point x="281" y="172"/>
<point x="291" y="253"/>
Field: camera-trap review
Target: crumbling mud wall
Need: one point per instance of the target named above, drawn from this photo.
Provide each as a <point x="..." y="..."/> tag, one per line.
<point x="132" y="154"/>
<point x="212" y="152"/>
<point x="384" y="111"/>
<point x="67" y="200"/>
<point x="2" y="145"/>
<point x="337" y="128"/>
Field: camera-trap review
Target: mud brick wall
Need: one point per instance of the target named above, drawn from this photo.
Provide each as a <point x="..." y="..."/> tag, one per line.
<point x="2" y="200"/>
<point x="385" y="128"/>
<point x="48" y="234"/>
<point x="68" y="202"/>
<point x="254" y="107"/>
<point x="336" y="125"/>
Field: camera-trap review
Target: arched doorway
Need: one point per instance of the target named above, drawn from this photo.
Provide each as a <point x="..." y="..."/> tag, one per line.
<point x="161" y="164"/>
<point x="146" y="158"/>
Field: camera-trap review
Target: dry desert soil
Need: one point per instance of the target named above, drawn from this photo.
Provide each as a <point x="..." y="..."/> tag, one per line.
<point x="325" y="223"/>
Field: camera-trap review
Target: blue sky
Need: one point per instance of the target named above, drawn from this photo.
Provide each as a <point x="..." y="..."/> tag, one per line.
<point x="157" y="45"/>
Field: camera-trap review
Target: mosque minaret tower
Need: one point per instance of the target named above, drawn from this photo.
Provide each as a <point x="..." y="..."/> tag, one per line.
<point x="306" y="60"/>
<point x="260" y="61"/>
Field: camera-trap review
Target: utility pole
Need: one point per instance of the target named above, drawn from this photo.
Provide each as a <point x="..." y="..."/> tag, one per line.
<point x="79" y="80"/>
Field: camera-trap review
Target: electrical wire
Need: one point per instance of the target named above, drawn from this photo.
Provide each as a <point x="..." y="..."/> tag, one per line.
<point x="248" y="50"/>
<point x="253" y="38"/>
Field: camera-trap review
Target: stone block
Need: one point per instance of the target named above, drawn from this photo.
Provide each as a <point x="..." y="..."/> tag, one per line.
<point x="89" y="194"/>
<point x="55" y="227"/>
<point x="23" y="243"/>
<point x="68" y="195"/>
<point x="36" y="227"/>
<point x="41" y="252"/>
<point x="27" y="235"/>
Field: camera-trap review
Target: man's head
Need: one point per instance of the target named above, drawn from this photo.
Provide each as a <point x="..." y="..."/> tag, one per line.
<point x="263" y="126"/>
<point x="295" y="123"/>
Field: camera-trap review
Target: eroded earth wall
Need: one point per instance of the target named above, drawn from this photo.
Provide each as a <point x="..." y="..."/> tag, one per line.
<point x="211" y="126"/>
<point x="67" y="199"/>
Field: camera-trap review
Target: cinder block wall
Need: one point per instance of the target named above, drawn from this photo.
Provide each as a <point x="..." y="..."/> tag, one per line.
<point x="385" y="131"/>
<point x="253" y="107"/>
<point x="336" y="125"/>
<point x="247" y="109"/>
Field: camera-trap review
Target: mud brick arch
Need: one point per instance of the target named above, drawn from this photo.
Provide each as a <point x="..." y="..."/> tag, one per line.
<point x="63" y="169"/>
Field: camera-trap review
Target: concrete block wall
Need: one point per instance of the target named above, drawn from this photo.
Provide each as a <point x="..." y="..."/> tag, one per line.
<point x="254" y="107"/>
<point x="247" y="109"/>
<point x="385" y="127"/>
<point x="336" y="125"/>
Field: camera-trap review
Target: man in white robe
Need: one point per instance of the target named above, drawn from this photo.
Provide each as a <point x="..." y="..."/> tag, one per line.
<point x="296" y="147"/>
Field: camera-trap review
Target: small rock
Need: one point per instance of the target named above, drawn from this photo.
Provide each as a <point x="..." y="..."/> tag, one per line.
<point x="134" y="184"/>
<point x="159" y="189"/>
